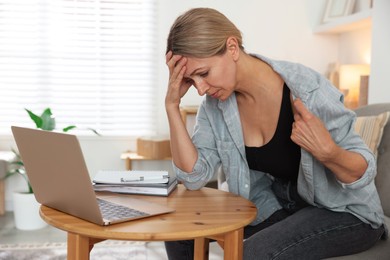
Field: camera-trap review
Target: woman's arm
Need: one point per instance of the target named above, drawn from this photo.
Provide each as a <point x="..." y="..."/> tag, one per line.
<point x="184" y="153"/>
<point x="310" y="133"/>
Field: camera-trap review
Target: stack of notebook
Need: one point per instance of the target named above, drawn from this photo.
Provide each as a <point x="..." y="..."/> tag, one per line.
<point x="157" y="183"/>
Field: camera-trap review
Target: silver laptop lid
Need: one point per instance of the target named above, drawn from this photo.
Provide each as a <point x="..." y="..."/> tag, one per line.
<point x="56" y="168"/>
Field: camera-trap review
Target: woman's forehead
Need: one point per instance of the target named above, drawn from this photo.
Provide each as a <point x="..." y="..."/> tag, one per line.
<point x="196" y="64"/>
<point x="201" y="62"/>
<point x="199" y="65"/>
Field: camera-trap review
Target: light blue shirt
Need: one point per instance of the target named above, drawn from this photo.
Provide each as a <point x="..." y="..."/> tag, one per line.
<point x="219" y="140"/>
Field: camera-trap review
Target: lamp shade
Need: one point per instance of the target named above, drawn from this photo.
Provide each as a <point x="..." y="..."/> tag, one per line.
<point x="350" y="81"/>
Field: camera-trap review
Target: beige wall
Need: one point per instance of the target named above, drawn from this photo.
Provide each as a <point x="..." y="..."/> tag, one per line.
<point x="380" y="58"/>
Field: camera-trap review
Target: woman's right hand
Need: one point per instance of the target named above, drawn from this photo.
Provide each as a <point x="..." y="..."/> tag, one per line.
<point x="177" y="85"/>
<point x="184" y="153"/>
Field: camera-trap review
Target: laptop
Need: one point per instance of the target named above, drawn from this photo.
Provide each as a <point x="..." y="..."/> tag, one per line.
<point x="56" y="168"/>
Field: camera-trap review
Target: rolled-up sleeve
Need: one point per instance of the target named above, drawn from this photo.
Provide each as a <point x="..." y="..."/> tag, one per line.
<point x="340" y="122"/>
<point x="208" y="159"/>
<point x="368" y="175"/>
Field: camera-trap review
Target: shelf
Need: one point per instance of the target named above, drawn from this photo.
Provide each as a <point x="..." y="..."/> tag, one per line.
<point x="356" y="21"/>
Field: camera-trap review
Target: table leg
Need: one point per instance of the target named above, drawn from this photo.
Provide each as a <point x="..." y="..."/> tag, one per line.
<point x="233" y="245"/>
<point x="201" y="248"/>
<point x="78" y="247"/>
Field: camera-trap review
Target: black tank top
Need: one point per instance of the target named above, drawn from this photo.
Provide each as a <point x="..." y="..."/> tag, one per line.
<point x="279" y="157"/>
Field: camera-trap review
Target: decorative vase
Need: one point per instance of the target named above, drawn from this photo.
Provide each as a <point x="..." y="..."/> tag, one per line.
<point x="26" y="212"/>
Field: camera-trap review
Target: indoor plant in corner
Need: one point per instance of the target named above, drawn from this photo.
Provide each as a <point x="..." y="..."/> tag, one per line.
<point x="26" y="208"/>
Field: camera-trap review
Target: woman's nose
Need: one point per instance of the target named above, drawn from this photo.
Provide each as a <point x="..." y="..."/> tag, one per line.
<point x="201" y="86"/>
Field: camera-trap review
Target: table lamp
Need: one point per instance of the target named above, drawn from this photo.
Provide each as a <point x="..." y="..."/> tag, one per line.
<point x="350" y="82"/>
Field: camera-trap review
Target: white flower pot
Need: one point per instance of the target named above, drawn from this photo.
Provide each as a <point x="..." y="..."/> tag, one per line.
<point x="26" y="212"/>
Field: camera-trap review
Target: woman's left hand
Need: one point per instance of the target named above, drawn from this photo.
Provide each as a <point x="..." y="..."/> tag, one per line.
<point x="309" y="132"/>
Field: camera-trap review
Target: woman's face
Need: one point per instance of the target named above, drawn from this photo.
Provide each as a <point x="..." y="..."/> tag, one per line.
<point x="214" y="76"/>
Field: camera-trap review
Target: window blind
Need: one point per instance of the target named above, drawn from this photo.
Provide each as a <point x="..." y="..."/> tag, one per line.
<point x="90" y="61"/>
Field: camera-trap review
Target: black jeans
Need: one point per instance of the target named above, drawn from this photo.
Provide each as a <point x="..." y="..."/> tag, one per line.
<point x="298" y="231"/>
<point x="184" y="249"/>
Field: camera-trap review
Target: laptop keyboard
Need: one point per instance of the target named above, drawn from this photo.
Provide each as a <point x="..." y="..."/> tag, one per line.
<point x="112" y="211"/>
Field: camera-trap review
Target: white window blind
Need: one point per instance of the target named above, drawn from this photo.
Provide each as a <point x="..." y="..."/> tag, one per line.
<point x="90" y="61"/>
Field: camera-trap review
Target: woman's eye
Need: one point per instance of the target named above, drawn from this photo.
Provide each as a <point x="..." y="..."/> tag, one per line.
<point x="189" y="81"/>
<point x="205" y="74"/>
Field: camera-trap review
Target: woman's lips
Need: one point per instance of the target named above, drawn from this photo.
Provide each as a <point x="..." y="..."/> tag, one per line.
<point x="215" y="95"/>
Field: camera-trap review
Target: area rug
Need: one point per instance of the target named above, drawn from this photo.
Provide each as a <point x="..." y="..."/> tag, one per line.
<point x="106" y="250"/>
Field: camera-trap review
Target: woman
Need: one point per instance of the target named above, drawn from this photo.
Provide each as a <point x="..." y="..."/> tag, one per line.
<point x="284" y="140"/>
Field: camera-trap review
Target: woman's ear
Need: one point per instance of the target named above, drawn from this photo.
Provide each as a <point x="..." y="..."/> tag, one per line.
<point x="232" y="47"/>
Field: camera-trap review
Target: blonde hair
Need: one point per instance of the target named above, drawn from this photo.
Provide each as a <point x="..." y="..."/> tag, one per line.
<point x="201" y="33"/>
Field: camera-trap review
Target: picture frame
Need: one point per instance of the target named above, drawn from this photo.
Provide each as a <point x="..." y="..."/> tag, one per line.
<point x="337" y="8"/>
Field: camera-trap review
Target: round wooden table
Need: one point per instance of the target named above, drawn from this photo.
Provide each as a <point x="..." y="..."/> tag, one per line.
<point x="200" y="215"/>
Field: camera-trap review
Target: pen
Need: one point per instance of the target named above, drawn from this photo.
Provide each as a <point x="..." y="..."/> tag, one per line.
<point x="143" y="178"/>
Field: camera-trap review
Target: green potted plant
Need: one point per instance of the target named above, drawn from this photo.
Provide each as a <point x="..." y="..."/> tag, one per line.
<point x="24" y="202"/>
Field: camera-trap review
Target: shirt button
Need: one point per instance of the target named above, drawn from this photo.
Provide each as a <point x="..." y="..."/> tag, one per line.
<point x="246" y="185"/>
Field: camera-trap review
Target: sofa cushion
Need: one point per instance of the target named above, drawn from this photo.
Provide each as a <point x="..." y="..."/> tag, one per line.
<point x="370" y="128"/>
<point x="382" y="179"/>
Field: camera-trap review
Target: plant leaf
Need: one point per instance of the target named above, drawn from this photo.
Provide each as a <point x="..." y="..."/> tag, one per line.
<point x="37" y="120"/>
<point x="66" y="129"/>
<point x="96" y="132"/>
<point x="10" y="173"/>
<point x="19" y="163"/>
<point x="48" y="120"/>
<point x="15" y="171"/>
<point x="16" y="154"/>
